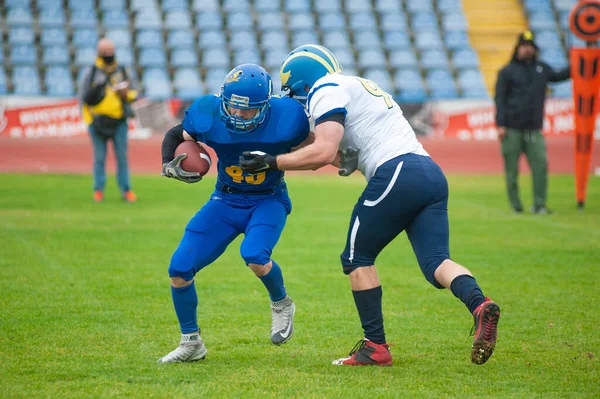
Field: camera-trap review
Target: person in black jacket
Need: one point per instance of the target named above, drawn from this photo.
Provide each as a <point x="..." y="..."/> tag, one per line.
<point x="520" y="96"/>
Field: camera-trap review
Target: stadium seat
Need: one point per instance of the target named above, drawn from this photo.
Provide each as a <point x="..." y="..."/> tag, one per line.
<point x="236" y="5"/>
<point x="414" y="6"/>
<point x="381" y="77"/>
<point x="27" y="87"/>
<point x="146" y="19"/>
<point x="563" y="21"/>
<point x="239" y="20"/>
<point x="136" y="5"/>
<point x="428" y="40"/>
<point x="17" y="4"/>
<point x="21" y="35"/>
<point x="357" y="5"/>
<point x="408" y="78"/>
<point x="152" y="57"/>
<point x="474" y="92"/>
<point x="148" y="38"/>
<point x="465" y="58"/>
<point x="62" y="87"/>
<point x="115" y="19"/>
<point x="328" y="6"/>
<point x="241" y="39"/>
<point x="387" y="6"/>
<point x="274" y="39"/>
<point x="396" y="40"/>
<point x="172" y="5"/>
<point x="85" y="56"/>
<point x="562" y="89"/>
<point x="366" y="40"/>
<point x="209" y="20"/>
<point x="178" y="19"/>
<point x="361" y="21"/>
<point x="24" y="72"/>
<point x="555" y="57"/>
<point x="548" y="39"/>
<point x="85" y="38"/>
<point x="18" y="17"/>
<point x="51" y="18"/>
<point x="82" y="4"/>
<point x="266" y="5"/>
<point x="211" y="39"/>
<point x="564" y="5"/>
<point x="335" y="39"/>
<point x="120" y="37"/>
<point x="470" y="77"/>
<point x="43" y="4"/>
<point x="216" y="58"/>
<point x="23" y="55"/>
<point x="244" y="56"/>
<point x="536" y="5"/>
<point x="159" y="90"/>
<point x="303" y="37"/>
<point x="541" y="21"/>
<point x="124" y="56"/>
<point x="213" y="86"/>
<point x="456" y="40"/>
<point x="434" y="59"/>
<point x="301" y="21"/>
<point x="423" y="20"/>
<point x="393" y="21"/>
<point x="296" y="6"/>
<point x="107" y="5"/>
<point x="270" y="21"/>
<point x="216" y="74"/>
<point x="403" y="59"/>
<point x="56" y="55"/>
<point x="57" y="72"/>
<point x="454" y="22"/>
<point x="83" y="18"/>
<point x="53" y="36"/>
<point x="345" y="58"/>
<point x="448" y="91"/>
<point x="411" y="95"/>
<point x="182" y="58"/>
<point x="274" y="58"/>
<point x="371" y="59"/>
<point x="447" y="6"/>
<point x="150" y="75"/>
<point x="180" y="39"/>
<point x="332" y="21"/>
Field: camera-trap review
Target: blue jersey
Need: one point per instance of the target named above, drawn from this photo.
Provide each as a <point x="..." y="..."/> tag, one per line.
<point x="285" y="126"/>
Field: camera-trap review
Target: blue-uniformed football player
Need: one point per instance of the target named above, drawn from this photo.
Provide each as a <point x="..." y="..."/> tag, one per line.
<point x="243" y="117"/>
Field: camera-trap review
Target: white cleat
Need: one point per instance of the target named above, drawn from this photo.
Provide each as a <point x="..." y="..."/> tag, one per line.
<point x="282" y="320"/>
<point x="190" y="349"/>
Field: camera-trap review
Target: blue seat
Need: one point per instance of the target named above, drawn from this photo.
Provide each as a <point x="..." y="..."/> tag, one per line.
<point x="547" y="39"/>
<point x="124" y="56"/>
<point x="241" y="39"/>
<point x="236" y="5"/>
<point x="85" y="56"/>
<point x="537" y="4"/>
<point x="239" y="20"/>
<point x="182" y="58"/>
<point x="371" y="59"/>
<point x="53" y="36"/>
<point x="245" y="56"/>
<point x="367" y="39"/>
<point x="555" y="57"/>
<point x="447" y="6"/>
<point x="154" y="74"/>
<point x="43" y="4"/>
<point x="297" y="6"/>
<point x="140" y="4"/>
<point x="345" y="58"/>
<point x="394" y="21"/>
<point x="205" y="5"/>
<point x="562" y="89"/>
<point x="120" y="37"/>
<point x="27" y="87"/>
<point x="381" y="77"/>
<point x="209" y="20"/>
<point x="424" y="20"/>
<point x="439" y="77"/>
<point x="433" y="59"/>
<point x="180" y="39"/>
<point x="475" y="92"/>
<point x="147" y="19"/>
<point x="152" y="57"/>
<point x="51" y="18"/>
<point x="456" y="40"/>
<point x="334" y="39"/>
<point x="62" y="87"/>
<point x="115" y="19"/>
<point x="211" y="39"/>
<point x="275" y="39"/>
<point x="396" y="40"/>
<point x="443" y="93"/>
<point x="387" y="6"/>
<point x="216" y="58"/>
<point x="22" y="54"/>
<point x="328" y="6"/>
<point x="541" y="21"/>
<point x="332" y="21"/>
<point x="574" y="41"/>
<point x="361" y="21"/>
<point x="563" y="21"/>
<point x="18" y="17"/>
<point x="564" y="5"/>
<point x="17" y="4"/>
<point x="83" y="18"/>
<point x="465" y="58"/>
<point x="216" y="74"/>
<point x="171" y="5"/>
<point x="57" y="72"/>
<point x="178" y="19"/>
<point x="213" y="86"/>
<point x="85" y="37"/>
<point x="408" y="78"/>
<point x="357" y="5"/>
<point x="454" y="22"/>
<point x="190" y="93"/>
<point x="82" y="4"/>
<point x="274" y="58"/>
<point x="148" y="38"/>
<point x="21" y="35"/>
<point x="266" y="5"/>
<point x="24" y="72"/>
<point x="414" y="6"/>
<point x="403" y="59"/>
<point x="270" y="21"/>
<point x="107" y="5"/>
<point x="159" y="90"/>
<point x="428" y="40"/>
<point x="411" y="95"/>
<point x="470" y="77"/>
<point x="56" y="55"/>
<point x="303" y="37"/>
<point x="301" y="21"/>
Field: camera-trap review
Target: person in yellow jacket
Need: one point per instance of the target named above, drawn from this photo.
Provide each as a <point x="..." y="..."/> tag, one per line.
<point x="105" y="93"/>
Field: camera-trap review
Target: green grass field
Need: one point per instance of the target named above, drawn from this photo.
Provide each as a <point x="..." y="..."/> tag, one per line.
<point x="85" y="308"/>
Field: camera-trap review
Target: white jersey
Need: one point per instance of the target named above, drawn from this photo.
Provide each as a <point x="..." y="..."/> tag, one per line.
<point x="374" y="122"/>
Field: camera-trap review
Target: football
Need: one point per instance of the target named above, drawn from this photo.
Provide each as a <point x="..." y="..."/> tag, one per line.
<point x="197" y="159"/>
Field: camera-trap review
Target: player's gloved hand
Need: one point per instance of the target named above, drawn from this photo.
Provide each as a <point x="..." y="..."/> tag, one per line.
<point x="257" y="161"/>
<point x="173" y="170"/>
<point x="348" y="161"/>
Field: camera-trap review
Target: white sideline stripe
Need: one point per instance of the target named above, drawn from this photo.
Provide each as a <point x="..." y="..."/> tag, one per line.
<point x="207" y="158"/>
<point x="353" y="237"/>
<point x="387" y="189"/>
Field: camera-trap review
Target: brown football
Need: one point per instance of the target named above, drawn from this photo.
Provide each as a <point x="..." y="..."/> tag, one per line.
<point x="197" y="159"/>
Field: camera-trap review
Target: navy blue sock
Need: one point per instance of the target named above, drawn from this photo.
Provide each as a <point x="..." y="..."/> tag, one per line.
<point x="273" y="281"/>
<point x="368" y="304"/>
<point x="185" y="300"/>
<point x="465" y="288"/>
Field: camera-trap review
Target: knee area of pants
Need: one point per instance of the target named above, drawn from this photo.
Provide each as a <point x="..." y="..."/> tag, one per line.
<point x="429" y="271"/>
<point x="186" y="275"/>
<point x="256" y="257"/>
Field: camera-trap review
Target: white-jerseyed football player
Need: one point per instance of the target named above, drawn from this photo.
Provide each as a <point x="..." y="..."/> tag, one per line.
<point x="359" y="126"/>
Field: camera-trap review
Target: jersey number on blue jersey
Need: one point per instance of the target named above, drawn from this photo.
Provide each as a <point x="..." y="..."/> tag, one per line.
<point x="375" y="90"/>
<point x="237" y="175"/>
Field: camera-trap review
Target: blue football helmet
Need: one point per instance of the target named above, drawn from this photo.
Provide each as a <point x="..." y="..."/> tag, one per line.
<point x="247" y="86"/>
<point x="303" y="67"/>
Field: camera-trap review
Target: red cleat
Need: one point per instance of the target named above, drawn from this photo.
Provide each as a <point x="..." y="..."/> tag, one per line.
<point x="98" y="196"/>
<point x="367" y="353"/>
<point x="129" y="196"/>
<point x="486" y="318"/>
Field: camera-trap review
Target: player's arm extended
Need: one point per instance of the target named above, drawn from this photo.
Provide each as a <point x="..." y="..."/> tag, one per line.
<point x="321" y="152"/>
